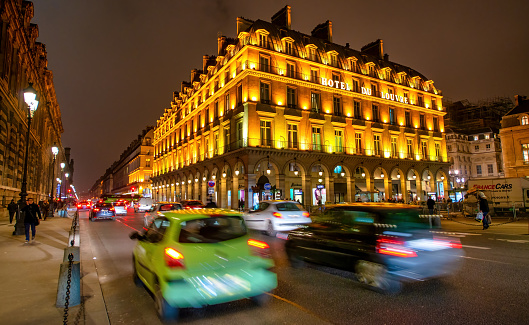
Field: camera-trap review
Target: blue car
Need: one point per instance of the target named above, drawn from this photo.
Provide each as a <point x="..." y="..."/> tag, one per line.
<point x="102" y="211"/>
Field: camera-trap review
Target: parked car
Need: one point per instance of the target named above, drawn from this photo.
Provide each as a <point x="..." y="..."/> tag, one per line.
<point x="192" y="204"/>
<point x="385" y="244"/>
<point x="84" y="205"/>
<point x="274" y="216"/>
<point x="102" y="211"/>
<point x="120" y="208"/>
<point x="159" y="209"/>
<point x="193" y="259"/>
<point x="144" y="204"/>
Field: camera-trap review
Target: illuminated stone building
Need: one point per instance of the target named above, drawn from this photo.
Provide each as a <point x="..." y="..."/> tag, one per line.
<point x="310" y="119"/>
<point x="514" y="134"/>
<point x="132" y="172"/>
<point x="23" y="60"/>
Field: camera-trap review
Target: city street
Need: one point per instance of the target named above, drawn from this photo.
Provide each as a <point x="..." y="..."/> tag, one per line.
<point x="490" y="288"/>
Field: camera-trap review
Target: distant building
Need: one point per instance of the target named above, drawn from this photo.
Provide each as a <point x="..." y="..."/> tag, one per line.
<point x="514" y="136"/>
<point x="486" y="113"/>
<point x="131" y="174"/>
<point x="282" y="114"/>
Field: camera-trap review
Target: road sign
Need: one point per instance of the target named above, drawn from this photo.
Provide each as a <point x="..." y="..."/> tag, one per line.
<point x="211" y="190"/>
<point x="267" y="186"/>
<point x="320" y="186"/>
<point x="211" y="183"/>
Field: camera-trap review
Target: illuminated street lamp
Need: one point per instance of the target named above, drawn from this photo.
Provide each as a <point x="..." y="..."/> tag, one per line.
<point x="54" y="152"/>
<point x="30" y="97"/>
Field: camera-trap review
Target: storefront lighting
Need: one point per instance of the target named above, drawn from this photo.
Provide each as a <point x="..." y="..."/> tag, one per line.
<point x="213" y="176"/>
<point x="398" y="176"/>
<point x="236" y="172"/>
<point x="177" y="183"/>
<point x="320" y="180"/>
<point x="204" y="178"/>
<point x="342" y="174"/>
<point x="196" y="180"/>
<point x="224" y="174"/>
<point x="363" y="174"/>
<point x="382" y="175"/>
<point x="442" y="178"/>
<point x="414" y="176"/>
<point x="428" y="177"/>
<point x="189" y="181"/>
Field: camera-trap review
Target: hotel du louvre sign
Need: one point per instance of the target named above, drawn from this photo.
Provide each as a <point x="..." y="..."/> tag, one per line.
<point x="365" y="91"/>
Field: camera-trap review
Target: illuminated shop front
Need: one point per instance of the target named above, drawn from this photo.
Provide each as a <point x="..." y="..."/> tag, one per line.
<point x="278" y="114"/>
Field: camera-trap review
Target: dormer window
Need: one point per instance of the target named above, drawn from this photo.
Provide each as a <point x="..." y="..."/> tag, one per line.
<point x="311" y="52"/>
<point x="387" y="74"/>
<point x="352" y="64"/>
<point x="371" y="70"/>
<point x="288" y="45"/>
<point x="333" y="58"/>
<point x="263" y="40"/>
<point x="524" y="120"/>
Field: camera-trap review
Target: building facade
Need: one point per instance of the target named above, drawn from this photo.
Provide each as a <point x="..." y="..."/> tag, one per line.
<point x="282" y="114"/>
<point x="23" y="61"/>
<point x="132" y="172"/>
<point x="514" y="136"/>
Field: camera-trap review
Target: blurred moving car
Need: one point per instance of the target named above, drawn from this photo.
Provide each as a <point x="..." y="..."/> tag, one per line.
<point x="102" y="211"/>
<point x="84" y="205"/>
<point x="159" y="209"/>
<point x="385" y="244"/>
<point x="274" y="216"/>
<point x="201" y="258"/>
<point x="144" y="204"/>
<point x="120" y="208"/>
<point x="192" y="204"/>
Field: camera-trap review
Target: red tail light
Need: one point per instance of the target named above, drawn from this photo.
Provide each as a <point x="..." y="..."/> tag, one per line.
<point x="96" y="209"/>
<point x="78" y="205"/>
<point x="277" y="215"/>
<point x="393" y="247"/>
<point x="111" y="209"/>
<point x="173" y="258"/>
<point x="259" y="248"/>
<point x="306" y="214"/>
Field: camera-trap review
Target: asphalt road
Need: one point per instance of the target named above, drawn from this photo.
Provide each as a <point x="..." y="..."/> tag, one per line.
<point x="491" y="288"/>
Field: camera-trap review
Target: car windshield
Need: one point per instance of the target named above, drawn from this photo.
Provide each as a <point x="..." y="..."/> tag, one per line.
<point x="402" y="218"/>
<point x="407" y="219"/>
<point x="169" y="207"/>
<point x="212" y="230"/>
<point x="289" y="206"/>
<point x="193" y="203"/>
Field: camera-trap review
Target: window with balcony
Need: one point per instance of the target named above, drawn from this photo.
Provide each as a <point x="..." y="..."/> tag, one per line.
<point x="266" y="133"/>
<point x="374" y="109"/>
<point x="216" y="144"/>
<point x="263" y="40"/>
<point x="357" y="111"/>
<point x="240" y="140"/>
<point x="315" y="102"/>
<point x="291" y="97"/>
<point x="424" y="149"/>
<point x="392" y="119"/>
<point x="409" y="146"/>
<point x="314" y="75"/>
<point x="206" y="117"/>
<point x="288" y="48"/>
<point x="292" y="136"/>
<point x="420" y="100"/>
<point x="227" y="141"/>
<point x="422" y="123"/>
<point x="316" y="138"/>
<point x="356" y="86"/>
<point x="358" y="142"/>
<point x="376" y="145"/>
<point x="265" y="92"/>
<point x="524" y="120"/>
<point x="436" y="124"/>
<point x="216" y="111"/>
<point x="337" y="105"/>
<point x="227" y="103"/>
<point x="338" y="141"/>
<point x="291" y="70"/>
<point x="336" y="77"/>
<point x="394" y="152"/>
<point x="525" y="153"/>
<point x="374" y="89"/>
<point x="437" y="151"/>
<point x="264" y="63"/>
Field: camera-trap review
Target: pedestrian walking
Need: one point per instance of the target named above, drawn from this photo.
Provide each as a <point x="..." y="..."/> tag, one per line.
<point x="45" y="209"/>
<point x="484" y="208"/>
<point x="31" y="218"/>
<point x="431" y="204"/>
<point x="12" y="207"/>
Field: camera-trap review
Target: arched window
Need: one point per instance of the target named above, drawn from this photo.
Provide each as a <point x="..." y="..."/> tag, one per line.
<point x="525" y="120"/>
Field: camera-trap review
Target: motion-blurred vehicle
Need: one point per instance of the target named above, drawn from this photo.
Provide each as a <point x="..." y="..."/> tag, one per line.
<point x="192" y="204"/>
<point x="159" y="209"/>
<point x="193" y="259"/>
<point x="120" y="208"/>
<point x="274" y="216"/>
<point x="84" y="205"/>
<point x="385" y="244"/>
<point x="102" y="211"/>
<point x="144" y="204"/>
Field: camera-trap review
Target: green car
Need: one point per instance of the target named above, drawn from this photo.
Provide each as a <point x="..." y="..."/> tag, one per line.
<point x="190" y="259"/>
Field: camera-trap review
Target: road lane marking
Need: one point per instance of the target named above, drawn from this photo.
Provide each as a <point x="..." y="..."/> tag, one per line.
<point x="476" y="247"/>
<point x="481" y="259"/>
<point x="456" y="234"/>
<point x="308" y="311"/>
<point x="519" y="241"/>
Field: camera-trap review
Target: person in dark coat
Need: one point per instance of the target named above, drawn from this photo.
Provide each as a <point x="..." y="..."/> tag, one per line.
<point x="12" y="207"/>
<point x="484" y="208"/>
<point x="431" y="204"/>
<point x="31" y="213"/>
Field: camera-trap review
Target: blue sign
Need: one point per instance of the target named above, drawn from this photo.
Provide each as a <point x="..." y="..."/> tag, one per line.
<point x="320" y="186"/>
<point x="267" y="186"/>
<point x="211" y="183"/>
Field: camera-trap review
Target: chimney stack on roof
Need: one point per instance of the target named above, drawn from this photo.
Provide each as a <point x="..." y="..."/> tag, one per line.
<point x="283" y="17"/>
<point x="323" y="31"/>
<point x="519" y="99"/>
<point x="243" y="24"/>
<point x="221" y="42"/>
<point x="375" y="48"/>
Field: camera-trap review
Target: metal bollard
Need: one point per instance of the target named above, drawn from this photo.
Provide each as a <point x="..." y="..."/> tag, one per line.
<point x="70" y="272"/>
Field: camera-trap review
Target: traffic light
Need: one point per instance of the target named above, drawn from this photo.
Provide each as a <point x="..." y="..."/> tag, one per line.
<point x="132" y="189"/>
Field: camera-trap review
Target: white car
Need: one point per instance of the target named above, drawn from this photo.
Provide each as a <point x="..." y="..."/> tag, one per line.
<point x="159" y="209"/>
<point x="120" y="208"/>
<point x="144" y="204"/>
<point x="274" y="216"/>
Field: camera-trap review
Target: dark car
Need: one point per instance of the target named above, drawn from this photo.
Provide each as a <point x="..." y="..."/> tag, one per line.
<point x="384" y="244"/>
<point x="84" y="205"/>
<point x="102" y="211"/>
<point x="192" y="204"/>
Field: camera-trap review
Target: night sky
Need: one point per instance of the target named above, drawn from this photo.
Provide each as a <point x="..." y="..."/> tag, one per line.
<point x="116" y="62"/>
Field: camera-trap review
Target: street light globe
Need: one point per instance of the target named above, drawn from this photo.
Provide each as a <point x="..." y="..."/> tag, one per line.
<point x="342" y="174"/>
<point x="54" y="150"/>
<point x="66" y="175"/>
<point x="30" y="94"/>
<point x="296" y="172"/>
<point x="237" y="172"/>
<point x="63" y="165"/>
<point x="204" y="178"/>
<point x="58" y="179"/>
<point x="398" y="175"/>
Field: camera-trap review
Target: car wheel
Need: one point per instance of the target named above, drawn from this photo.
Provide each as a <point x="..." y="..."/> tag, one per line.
<point x="375" y="276"/>
<point x="261" y="300"/>
<point x="270" y="229"/>
<point x="135" y="277"/>
<point x="164" y="310"/>
<point x="91" y="219"/>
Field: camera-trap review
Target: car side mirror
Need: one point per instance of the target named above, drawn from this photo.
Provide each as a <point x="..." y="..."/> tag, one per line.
<point x="136" y="235"/>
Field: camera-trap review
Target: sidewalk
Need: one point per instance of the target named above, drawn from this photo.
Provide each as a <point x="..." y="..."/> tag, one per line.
<point x="30" y="272"/>
<point x="499" y="226"/>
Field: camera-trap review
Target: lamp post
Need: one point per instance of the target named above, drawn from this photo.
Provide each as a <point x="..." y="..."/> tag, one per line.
<point x="54" y="151"/>
<point x="62" y="174"/>
<point x="30" y="97"/>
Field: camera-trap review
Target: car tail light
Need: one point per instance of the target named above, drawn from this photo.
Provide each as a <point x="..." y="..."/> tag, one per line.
<point x="259" y="248"/>
<point x="452" y="242"/>
<point x="111" y="209"/>
<point x="96" y="209"/>
<point x="78" y="205"/>
<point x="173" y="258"/>
<point x="393" y="247"/>
<point x="306" y="214"/>
<point x="277" y="215"/>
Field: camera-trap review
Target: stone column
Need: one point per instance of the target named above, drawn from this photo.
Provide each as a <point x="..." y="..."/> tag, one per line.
<point x="249" y="182"/>
<point x="235" y="193"/>
<point x="351" y="189"/>
<point x="370" y="185"/>
<point x="329" y="185"/>
<point x="387" y="187"/>
<point x="280" y="185"/>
